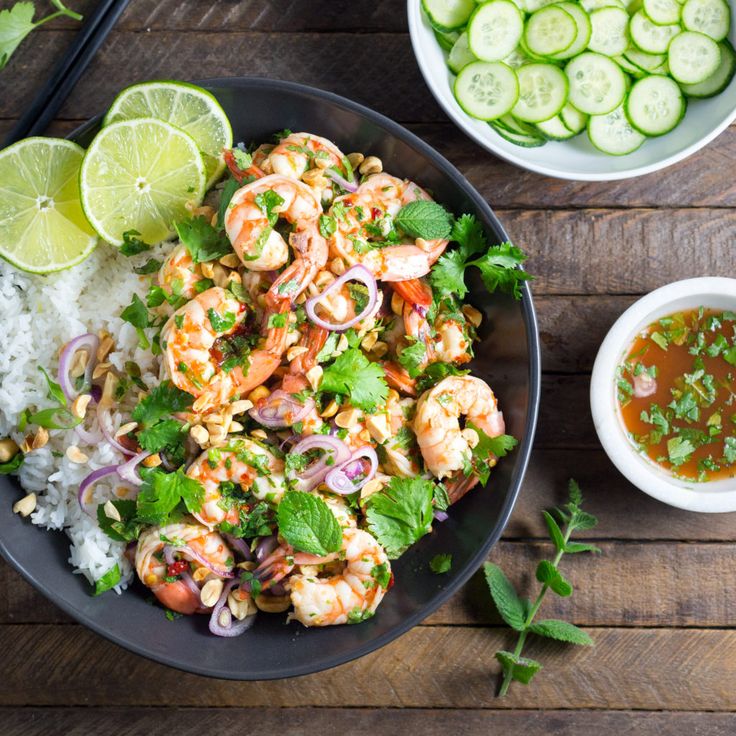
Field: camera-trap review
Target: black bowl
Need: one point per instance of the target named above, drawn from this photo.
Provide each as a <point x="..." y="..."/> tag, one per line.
<point x="507" y="357"/>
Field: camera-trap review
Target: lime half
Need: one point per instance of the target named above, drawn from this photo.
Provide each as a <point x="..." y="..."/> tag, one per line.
<point x="42" y="225"/>
<point x="140" y="175"/>
<point x="186" y="106"/>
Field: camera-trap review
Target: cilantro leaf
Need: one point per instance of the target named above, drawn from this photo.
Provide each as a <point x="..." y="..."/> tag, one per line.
<point x="412" y="358"/>
<point x="231" y="186"/>
<point x="307" y="524"/>
<point x="448" y="274"/>
<point x="150" y="266"/>
<point x="242" y="158"/>
<point x="401" y="513"/>
<point x="125" y="530"/>
<point x="136" y="313"/>
<point x="498" y="269"/>
<point x="163" y="400"/>
<point x="221" y="323"/>
<point x="15" y="24"/>
<point x="161" y="435"/>
<point x="729" y="449"/>
<point x="434" y="373"/>
<point x="109" y="580"/>
<point x="354" y="376"/>
<point x="487" y="449"/>
<point x="132" y="244"/>
<point x="162" y="492"/>
<point x="440" y="564"/>
<point x="425" y="219"/>
<point x="203" y="241"/>
<point x="679" y="450"/>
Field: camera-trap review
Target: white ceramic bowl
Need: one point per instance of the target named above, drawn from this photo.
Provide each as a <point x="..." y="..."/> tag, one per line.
<point x="713" y="496"/>
<point x="576" y="158"/>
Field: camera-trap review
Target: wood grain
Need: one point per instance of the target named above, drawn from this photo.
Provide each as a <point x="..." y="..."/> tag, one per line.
<point x="439" y="667"/>
<point x="387" y="722"/>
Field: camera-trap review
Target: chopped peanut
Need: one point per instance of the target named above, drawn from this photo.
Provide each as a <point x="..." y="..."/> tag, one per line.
<point x="26" y="505"/>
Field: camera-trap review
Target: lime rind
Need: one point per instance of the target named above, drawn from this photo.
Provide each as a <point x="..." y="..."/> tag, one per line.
<point x="42" y="224"/>
<point x="140" y="174"/>
<point x="191" y="108"/>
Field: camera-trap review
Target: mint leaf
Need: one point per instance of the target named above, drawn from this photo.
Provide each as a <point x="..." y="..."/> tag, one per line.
<point x="164" y="399"/>
<point x="521" y="669"/>
<point x="575" y="547"/>
<point x="109" y="580"/>
<point x="549" y="575"/>
<point x="307" y="524"/>
<point x="401" y="513"/>
<point x="509" y="604"/>
<point x="553" y="628"/>
<point x="162" y="492"/>
<point x="203" y="241"/>
<point x="13" y="464"/>
<point x="440" y="564"/>
<point x="354" y="376"/>
<point x="555" y="532"/>
<point x="425" y="219"/>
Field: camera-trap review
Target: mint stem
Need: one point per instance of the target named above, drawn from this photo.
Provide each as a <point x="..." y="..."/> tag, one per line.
<point x="507" y="680"/>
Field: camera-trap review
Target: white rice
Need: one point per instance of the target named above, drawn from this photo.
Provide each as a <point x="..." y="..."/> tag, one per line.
<point x="38" y="315"/>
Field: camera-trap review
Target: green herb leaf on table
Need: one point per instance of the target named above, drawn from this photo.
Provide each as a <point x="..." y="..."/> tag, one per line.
<point x="401" y="513"/>
<point x="548" y="574"/>
<point x="424" y="219"/>
<point x="520" y="669"/>
<point x="354" y="376"/>
<point x="307" y="524"/>
<point x="203" y="241"/>
<point x="440" y="564"/>
<point x="108" y="581"/>
<point x="562" y="631"/>
<point x="509" y="604"/>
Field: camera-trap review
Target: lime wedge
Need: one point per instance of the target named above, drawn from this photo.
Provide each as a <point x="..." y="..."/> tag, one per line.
<point x="186" y="106"/>
<point x="139" y="175"/>
<point x="42" y="225"/>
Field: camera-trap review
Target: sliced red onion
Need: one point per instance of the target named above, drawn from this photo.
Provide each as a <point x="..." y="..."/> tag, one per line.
<point x="312" y="476"/>
<point x="265" y="547"/>
<point x="96" y="392"/>
<point x="88" y="482"/>
<point x="239" y="546"/>
<point x="89" y="438"/>
<point x="441" y="515"/>
<point x="277" y="589"/>
<point x="105" y="421"/>
<point x="354" y="273"/>
<point x="342" y="478"/>
<point x="88" y="342"/>
<point x="220" y="572"/>
<point x="221" y="621"/>
<point x="127" y="471"/>
<point x="348" y="186"/>
<point x="281" y="409"/>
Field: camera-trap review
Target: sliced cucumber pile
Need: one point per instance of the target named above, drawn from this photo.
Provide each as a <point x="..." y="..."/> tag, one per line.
<point x="546" y="70"/>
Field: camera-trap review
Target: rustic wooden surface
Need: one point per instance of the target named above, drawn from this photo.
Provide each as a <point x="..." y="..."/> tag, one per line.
<point x="659" y="602"/>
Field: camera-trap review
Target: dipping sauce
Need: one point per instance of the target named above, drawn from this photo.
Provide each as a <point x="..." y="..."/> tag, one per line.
<point x="677" y="394"/>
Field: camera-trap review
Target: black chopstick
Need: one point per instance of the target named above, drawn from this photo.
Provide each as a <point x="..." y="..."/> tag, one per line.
<point x="50" y="98"/>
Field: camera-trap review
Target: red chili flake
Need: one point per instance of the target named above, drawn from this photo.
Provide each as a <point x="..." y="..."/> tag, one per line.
<point x="376" y="213"/>
<point x="177" y="568"/>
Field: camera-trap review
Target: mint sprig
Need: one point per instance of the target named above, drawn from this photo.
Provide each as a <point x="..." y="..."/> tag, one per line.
<point x="519" y="613"/>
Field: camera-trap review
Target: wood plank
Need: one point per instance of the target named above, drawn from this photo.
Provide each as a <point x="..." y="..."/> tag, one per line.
<point x="388" y="722"/>
<point x="439" y="667"/>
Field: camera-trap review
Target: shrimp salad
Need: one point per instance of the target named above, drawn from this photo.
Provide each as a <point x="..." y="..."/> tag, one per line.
<point x="307" y="413"/>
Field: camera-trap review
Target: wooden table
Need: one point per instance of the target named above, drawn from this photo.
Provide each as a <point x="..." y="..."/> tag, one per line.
<point x="659" y="601"/>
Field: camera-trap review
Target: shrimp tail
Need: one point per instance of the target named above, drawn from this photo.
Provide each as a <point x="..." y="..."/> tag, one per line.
<point x="399" y="379"/>
<point x="239" y="174"/>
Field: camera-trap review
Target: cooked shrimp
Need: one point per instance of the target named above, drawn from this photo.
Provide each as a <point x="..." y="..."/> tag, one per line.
<point x="367" y="215"/>
<point x="250" y="218"/>
<point x="349" y="597"/>
<point x="193" y="545"/>
<point x="444" y="445"/>
<point x="246" y="464"/>
<point x="179" y="274"/>
<point x="296" y="154"/>
<point x="399" y="456"/>
<point x="190" y="355"/>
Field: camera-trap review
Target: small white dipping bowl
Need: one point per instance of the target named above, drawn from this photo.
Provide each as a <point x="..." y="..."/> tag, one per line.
<point x="712" y="496"/>
<point x="576" y="158"/>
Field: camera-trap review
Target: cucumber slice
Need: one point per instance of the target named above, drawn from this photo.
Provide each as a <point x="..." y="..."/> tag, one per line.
<point x="719" y="80"/>
<point x="584" y="30"/>
<point x="531" y="6"/>
<point x="542" y="92"/>
<point x="646" y="62"/>
<point x="486" y="89"/>
<point x="650" y="37"/>
<point x="520" y="139"/>
<point x="662" y="12"/>
<point x="448" y="15"/>
<point x="573" y="118"/>
<point x="655" y="105"/>
<point x="628" y="67"/>
<point x="510" y="123"/>
<point x="613" y="133"/>
<point x="460" y="54"/>
<point x="549" y="31"/>
<point x="610" y="34"/>
<point x="711" y="17"/>
<point x="495" y="29"/>
<point x="555" y="129"/>
<point x="446" y="40"/>
<point x="534" y="57"/>
<point x="597" y="84"/>
<point x="693" y="57"/>
<point x="516" y="58"/>
<point x="590" y="5"/>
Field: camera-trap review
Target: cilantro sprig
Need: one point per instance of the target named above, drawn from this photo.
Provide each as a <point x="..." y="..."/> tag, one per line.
<point x="519" y="613"/>
<point x="354" y="376"/>
<point x="498" y="264"/>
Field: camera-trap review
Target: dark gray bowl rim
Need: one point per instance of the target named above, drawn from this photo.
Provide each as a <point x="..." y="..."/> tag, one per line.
<point x="524" y="449"/>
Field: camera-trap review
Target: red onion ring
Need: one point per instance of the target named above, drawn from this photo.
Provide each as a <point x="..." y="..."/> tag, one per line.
<point x="88" y="342"/>
<point x="312" y="476"/>
<point x="354" y="273"/>
<point x="338" y="479"/>
<point x="343" y="183"/>
<point x="239" y="545"/>
<point x="127" y="470"/>
<point x="102" y="419"/>
<point x="265" y="547"/>
<point x="88" y="482"/>
<point x="228" y="628"/>
<point x="280" y="409"/>
<point x="187" y="550"/>
<point x="89" y="438"/>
